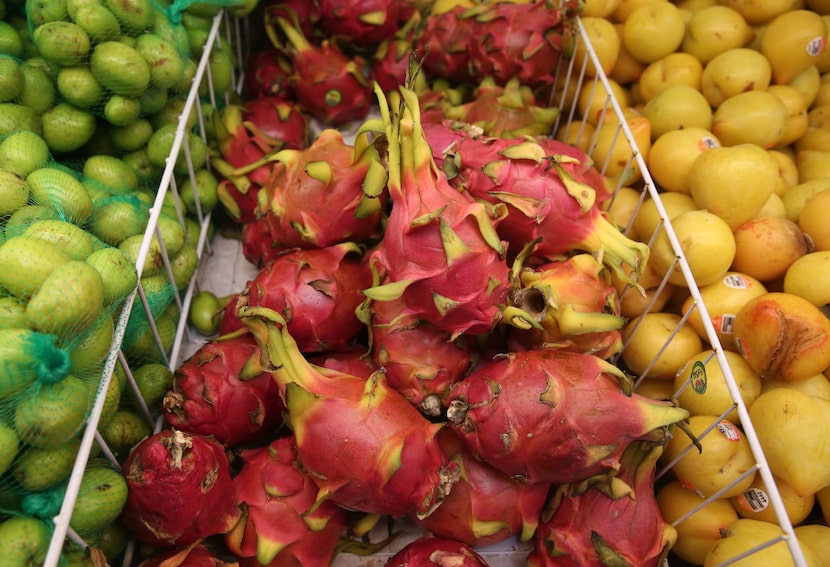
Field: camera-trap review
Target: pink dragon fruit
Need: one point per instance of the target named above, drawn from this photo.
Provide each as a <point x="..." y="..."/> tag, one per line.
<point x="615" y="521"/>
<point x="431" y="551"/>
<point x="328" y="85"/>
<point x="362" y="23"/>
<point x="179" y="490"/>
<point x="267" y="74"/>
<point x="420" y="361"/>
<point x="365" y="446"/>
<point x="445" y="41"/>
<point x="355" y="362"/>
<point x="239" y="163"/>
<point x="277" y="120"/>
<point x="325" y="194"/>
<point x="283" y="525"/>
<point x="521" y="40"/>
<point x="544" y="201"/>
<point x="441" y="255"/>
<point x="391" y="59"/>
<point x="508" y="111"/>
<point x="258" y="246"/>
<point x="303" y="13"/>
<point x="221" y="391"/>
<point x="485" y="506"/>
<point x="549" y="415"/>
<point x="194" y="555"/>
<point x="568" y="303"/>
<point x="317" y="291"/>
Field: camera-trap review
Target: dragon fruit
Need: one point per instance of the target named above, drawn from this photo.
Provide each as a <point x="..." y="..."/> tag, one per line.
<point x="194" y="555"/>
<point x="317" y="291"/>
<point x="544" y="201"/>
<point x="303" y="13"/>
<point x="239" y="163"/>
<point x="258" y="246"/>
<point x="568" y="303"/>
<point x="441" y="255"/>
<point x="549" y="415"/>
<point x="283" y="524"/>
<point x="517" y="39"/>
<point x="179" y="490"/>
<point x="365" y="446"/>
<point x="362" y="23"/>
<point x="612" y="522"/>
<point x="485" y="506"/>
<point x="327" y="193"/>
<point x="277" y="120"/>
<point x="328" y="84"/>
<point x="508" y="111"/>
<point x="431" y="551"/>
<point x="420" y="361"/>
<point x="445" y="42"/>
<point x="267" y="74"/>
<point x="353" y="362"/>
<point x="221" y="391"/>
<point x="466" y="41"/>
<point x="390" y="61"/>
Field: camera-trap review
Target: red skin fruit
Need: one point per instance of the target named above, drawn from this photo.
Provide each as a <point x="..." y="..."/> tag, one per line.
<point x="366" y="447"/>
<point x="179" y="490"/>
<point x="430" y="551"/>
<point x="359" y="23"/>
<point x="419" y="359"/>
<point x="221" y="391"/>
<point x="327" y="84"/>
<point x="282" y="526"/>
<point x="549" y="415"/>
<point x="616" y="518"/>
<point x="323" y="287"/>
<point x="315" y="196"/>
<point x="485" y="506"/>
<point x="194" y="555"/>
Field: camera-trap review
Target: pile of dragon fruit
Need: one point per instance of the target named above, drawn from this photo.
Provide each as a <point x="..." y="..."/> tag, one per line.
<point x="429" y="332"/>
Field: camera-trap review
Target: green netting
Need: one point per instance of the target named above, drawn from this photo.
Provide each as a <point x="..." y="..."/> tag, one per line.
<point x="116" y="60"/>
<point x="62" y="287"/>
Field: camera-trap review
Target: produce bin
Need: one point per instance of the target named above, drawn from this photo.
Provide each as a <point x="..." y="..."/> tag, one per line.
<point x="223" y="271"/>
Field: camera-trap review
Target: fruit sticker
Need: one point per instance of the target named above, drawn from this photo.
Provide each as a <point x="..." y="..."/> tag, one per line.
<point x="697" y="377"/>
<point x="729" y="431"/>
<point x="753" y="500"/>
<point x="816" y="46"/>
<point x="724" y="323"/>
<point x="736" y="281"/>
<point x="707" y="143"/>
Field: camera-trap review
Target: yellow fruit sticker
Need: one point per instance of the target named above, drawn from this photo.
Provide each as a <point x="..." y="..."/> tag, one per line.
<point x="729" y="431"/>
<point x="697" y="377"/>
<point x="753" y="500"/>
<point x="736" y="281"/>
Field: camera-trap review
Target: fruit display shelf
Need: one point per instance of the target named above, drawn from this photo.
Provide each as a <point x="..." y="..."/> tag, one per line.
<point x="223" y="270"/>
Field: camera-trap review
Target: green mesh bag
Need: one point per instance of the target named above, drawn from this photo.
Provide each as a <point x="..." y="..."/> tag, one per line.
<point x="116" y="60"/>
<point x="62" y="290"/>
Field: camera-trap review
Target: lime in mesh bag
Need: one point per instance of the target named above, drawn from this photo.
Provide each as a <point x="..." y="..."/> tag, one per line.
<point x="62" y="288"/>
<point x="118" y="60"/>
